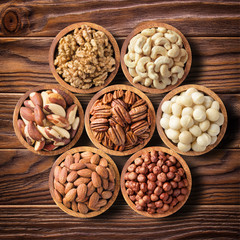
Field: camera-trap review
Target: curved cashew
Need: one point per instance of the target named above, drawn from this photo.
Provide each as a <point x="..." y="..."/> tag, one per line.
<point x="167" y="81"/>
<point x="179" y="41"/>
<point x="178" y="70"/>
<point x="139" y="44"/>
<point x="151" y="73"/>
<point x="159" y="61"/>
<point x="170" y="65"/>
<point x="128" y="61"/>
<point x="162" y="41"/>
<point x="141" y="74"/>
<point x="141" y="63"/>
<point x="174" y="52"/>
<point x="156" y="50"/>
<point x="172" y="37"/>
<point x="180" y="64"/>
<point x="148" y="82"/>
<point x="132" y="56"/>
<point x="148" y="32"/>
<point x="137" y="79"/>
<point x="158" y="85"/>
<point x="147" y="47"/>
<point x="132" y="72"/>
<point x="174" y="78"/>
<point x="156" y="36"/>
<point x="161" y="29"/>
<point x="133" y="42"/>
<point x="184" y="56"/>
<point x="164" y="71"/>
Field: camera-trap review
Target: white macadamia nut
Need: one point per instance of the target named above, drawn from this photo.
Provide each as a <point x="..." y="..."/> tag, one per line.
<point x="197" y="97"/>
<point x="195" y="131"/>
<point x="164" y="122"/>
<point x="204" y="140"/>
<point x="184" y="147"/>
<point x="166" y="115"/>
<point x="183" y="129"/>
<point x="174" y="99"/>
<point x="174" y="122"/>
<point x="202" y="107"/>
<point x="204" y="125"/>
<point x="199" y="115"/>
<point x="185" y="137"/>
<point x="190" y="91"/>
<point x="207" y="101"/>
<point x="186" y="121"/>
<point x="213" y="130"/>
<point x="186" y="101"/>
<point x="187" y="111"/>
<point x="172" y="134"/>
<point x="167" y="107"/>
<point x="175" y="140"/>
<point x="197" y="148"/>
<point x="213" y="140"/>
<point x="215" y="105"/>
<point x="220" y="120"/>
<point x="176" y="109"/>
<point x="212" y="114"/>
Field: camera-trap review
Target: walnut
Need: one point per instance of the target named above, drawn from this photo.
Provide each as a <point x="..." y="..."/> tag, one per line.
<point x="84" y="58"/>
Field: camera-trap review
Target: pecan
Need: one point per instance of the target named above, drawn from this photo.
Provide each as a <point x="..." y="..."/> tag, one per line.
<point x="131" y="138"/>
<point x="99" y="125"/>
<point x="102" y="111"/>
<point x="138" y="113"/>
<point x="139" y="127"/>
<point x="129" y="98"/>
<point x="99" y="135"/>
<point x="107" y="98"/>
<point x="139" y="102"/>
<point x="112" y="121"/>
<point x="118" y="102"/>
<point x="117" y="135"/>
<point x="118" y="94"/>
<point x="97" y="103"/>
<point x="119" y="112"/>
<point x="119" y="148"/>
<point x="149" y="117"/>
<point x="107" y="141"/>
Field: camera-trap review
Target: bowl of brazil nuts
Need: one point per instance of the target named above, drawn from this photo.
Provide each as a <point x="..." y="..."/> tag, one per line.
<point x="84" y="57"/>
<point x="120" y="120"/>
<point x="84" y="182"/>
<point x="156" y="57"/>
<point x="48" y="120"/>
<point x="191" y="120"/>
<point x="156" y="182"/>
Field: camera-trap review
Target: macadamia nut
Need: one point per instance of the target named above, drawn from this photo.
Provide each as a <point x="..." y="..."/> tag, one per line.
<point x="167" y="107"/>
<point x="185" y="137"/>
<point x="212" y="114"/>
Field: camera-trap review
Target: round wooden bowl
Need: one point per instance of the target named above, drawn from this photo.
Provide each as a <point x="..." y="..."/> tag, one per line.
<point x="53" y="52"/>
<point x="115" y="193"/>
<point x="206" y="91"/>
<point x="16" y="116"/>
<point x="137" y="30"/>
<point x="131" y="160"/>
<point x="100" y="94"/>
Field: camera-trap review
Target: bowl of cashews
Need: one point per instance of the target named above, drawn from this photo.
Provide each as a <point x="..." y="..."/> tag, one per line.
<point x="156" y="57"/>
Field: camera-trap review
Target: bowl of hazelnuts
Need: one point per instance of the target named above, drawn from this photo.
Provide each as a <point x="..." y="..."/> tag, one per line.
<point x="156" y="182"/>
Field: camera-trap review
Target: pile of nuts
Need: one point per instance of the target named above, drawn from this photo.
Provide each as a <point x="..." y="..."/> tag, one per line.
<point x="48" y="119"/>
<point x="192" y="120"/>
<point x="84" y="182"/>
<point x="84" y="58"/>
<point x="156" y="182"/>
<point x="120" y="120"/>
<point x="156" y="57"/>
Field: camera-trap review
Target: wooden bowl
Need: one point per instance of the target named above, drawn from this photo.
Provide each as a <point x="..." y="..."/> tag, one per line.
<point x="206" y="91"/>
<point x="115" y="193"/>
<point x="100" y="94"/>
<point x="137" y="30"/>
<point x="185" y="167"/>
<point x="16" y="116"/>
<point x="53" y="52"/>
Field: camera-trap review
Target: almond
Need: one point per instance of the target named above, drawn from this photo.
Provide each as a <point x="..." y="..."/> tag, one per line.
<point x="71" y="194"/>
<point x="59" y="187"/>
<point x="102" y="171"/>
<point x="71" y="113"/>
<point x="91" y="166"/>
<point x="95" y="159"/>
<point x="85" y="173"/>
<point x="93" y="200"/>
<point x="74" y="206"/>
<point x="82" y="201"/>
<point x="101" y="203"/>
<point x="68" y="187"/>
<point x="57" y="196"/>
<point x="77" y="166"/>
<point x="56" y="173"/>
<point x="105" y="184"/>
<point x="72" y="176"/>
<point x="99" y="190"/>
<point x="103" y="162"/>
<point x="111" y="174"/>
<point x="76" y="157"/>
<point x="84" y="160"/>
<point x="81" y="180"/>
<point x="96" y="180"/>
<point x="27" y="114"/>
<point x="63" y="175"/>
<point x="111" y="186"/>
<point x="82" y="191"/>
<point x="91" y="189"/>
<point x="66" y="203"/>
<point x="106" y="194"/>
<point x="82" y="208"/>
<point x="36" y="98"/>
<point x="68" y="161"/>
<point x="86" y="154"/>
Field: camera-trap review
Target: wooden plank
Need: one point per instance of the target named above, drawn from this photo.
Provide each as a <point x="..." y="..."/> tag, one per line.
<point x="9" y="140"/>
<point x="44" y="18"/>
<point x="24" y="177"/>
<point x="25" y="63"/>
<point x="120" y="222"/>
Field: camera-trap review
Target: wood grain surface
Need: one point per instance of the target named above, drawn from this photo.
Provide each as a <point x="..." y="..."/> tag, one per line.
<point x="27" y="29"/>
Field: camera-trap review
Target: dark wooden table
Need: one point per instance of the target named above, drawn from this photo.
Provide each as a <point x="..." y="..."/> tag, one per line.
<point x="27" y="30"/>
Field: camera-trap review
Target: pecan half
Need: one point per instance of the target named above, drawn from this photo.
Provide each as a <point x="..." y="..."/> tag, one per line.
<point x="107" y="141"/>
<point x="119" y="112"/>
<point x="102" y="111"/>
<point x="131" y="138"/>
<point x="129" y="97"/>
<point x="99" y="125"/>
<point x="139" y="102"/>
<point x="98" y="102"/>
<point x="99" y="135"/>
<point x="107" y="98"/>
<point x="118" y="102"/>
<point x="138" y="113"/>
<point x="139" y="127"/>
<point x="117" y="135"/>
<point x="118" y="94"/>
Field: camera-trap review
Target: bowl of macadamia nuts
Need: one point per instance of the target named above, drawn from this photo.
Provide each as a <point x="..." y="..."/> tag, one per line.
<point x="156" y="57"/>
<point x="156" y="182"/>
<point x="191" y="120"/>
<point x="84" y="57"/>
<point x="48" y="120"/>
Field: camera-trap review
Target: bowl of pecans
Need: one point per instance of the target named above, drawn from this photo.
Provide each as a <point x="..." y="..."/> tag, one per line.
<point x="156" y="182"/>
<point x="84" y="182"/>
<point x="84" y="57"/>
<point x="120" y="120"/>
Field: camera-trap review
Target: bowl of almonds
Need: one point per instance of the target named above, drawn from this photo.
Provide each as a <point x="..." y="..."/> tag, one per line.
<point x="84" y="182"/>
<point x="120" y="120"/>
<point x="84" y="57"/>
<point x="48" y="120"/>
<point x="156" y="182"/>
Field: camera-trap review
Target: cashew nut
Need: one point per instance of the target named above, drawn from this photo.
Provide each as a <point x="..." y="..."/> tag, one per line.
<point x="184" y="56"/>
<point x="167" y="81"/>
<point x="178" y="70"/>
<point x="139" y="44"/>
<point x="156" y="36"/>
<point x="148" y="82"/>
<point x="132" y="56"/>
<point x="151" y="73"/>
<point x="156" y="50"/>
<point x="158" y="85"/>
<point x="137" y="79"/>
<point x="148" y="32"/>
<point x="174" y="52"/>
<point x="179" y="41"/>
<point x="164" y="71"/>
<point x="171" y="37"/>
<point x="141" y="74"/>
<point x="141" y="63"/>
<point x="174" y="78"/>
<point x="129" y="62"/>
<point x="160" y="61"/>
<point x="147" y="47"/>
<point x="132" y="72"/>
<point x="180" y="64"/>
<point x="161" y="29"/>
<point x="162" y="41"/>
<point x="133" y="42"/>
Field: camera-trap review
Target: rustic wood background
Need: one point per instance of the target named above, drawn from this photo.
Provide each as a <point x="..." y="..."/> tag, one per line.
<point x="27" y="30"/>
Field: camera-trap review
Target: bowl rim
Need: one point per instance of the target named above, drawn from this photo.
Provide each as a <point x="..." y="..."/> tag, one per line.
<point x="16" y="116"/>
<point x="136" y="30"/>
<point x="93" y="213"/>
<point x="111" y="89"/>
<point x="69" y="29"/>
<point x="184" y="166"/>
<point x="207" y="92"/>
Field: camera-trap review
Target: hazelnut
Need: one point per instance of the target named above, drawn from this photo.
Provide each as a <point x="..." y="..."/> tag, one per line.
<point x="130" y="192"/>
<point x="137" y="169"/>
<point x="138" y="161"/>
<point x="142" y="203"/>
<point x="135" y="186"/>
<point x="162" y="177"/>
<point x="165" y="168"/>
<point x="151" y="166"/>
<point x="176" y="192"/>
<point x="170" y="192"/>
<point x="143" y="187"/>
<point x="146" y="199"/>
<point x="158" y="190"/>
<point x="160" y="163"/>
<point x="151" y="205"/>
<point x="132" y="176"/>
<point x="151" y="210"/>
<point x="154" y="197"/>
<point x="173" y="169"/>
<point x="159" y="183"/>
<point x="140" y="193"/>
<point x="141" y="178"/>
<point x="152" y="177"/>
<point x="168" y="163"/>
<point x="180" y="197"/>
<point x="143" y="170"/>
<point x="170" y="175"/>
<point x="185" y="182"/>
<point x="159" y="204"/>
<point x="167" y="186"/>
<point x="131" y="168"/>
<point x="151" y="186"/>
<point x="181" y="184"/>
<point x="126" y="176"/>
<point x="157" y="170"/>
<point x="177" y="178"/>
<point x="165" y="207"/>
<point x="181" y="171"/>
<point x="132" y="198"/>
<point x="139" y="208"/>
<point x="174" y="202"/>
<point x="164" y="196"/>
<point x="169" y="200"/>
<point x="184" y="191"/>
<point x="174" y="184"/>
<point x="172" y="159"/>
